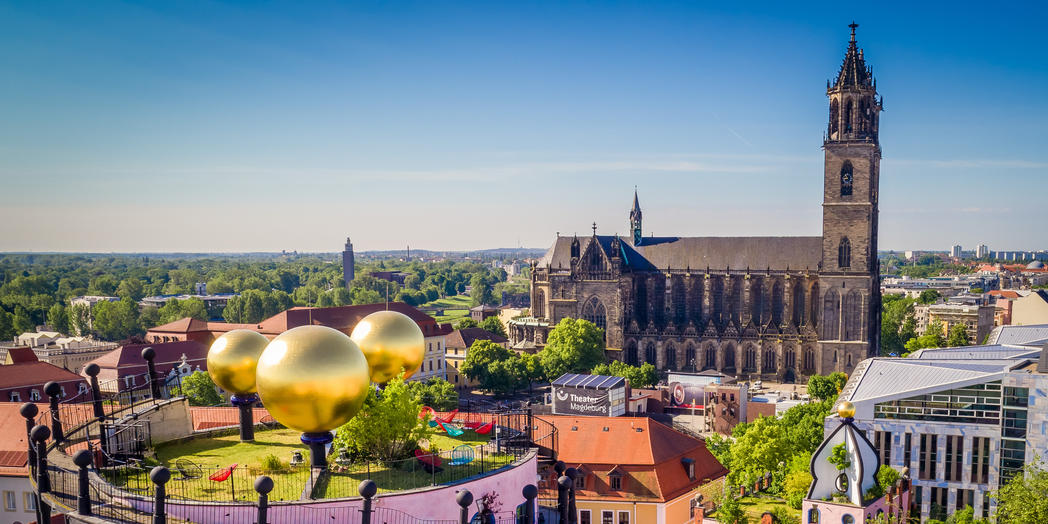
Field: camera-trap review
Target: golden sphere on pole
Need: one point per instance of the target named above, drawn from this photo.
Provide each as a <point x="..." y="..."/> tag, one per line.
<point x="846" y="410"/>
<point x="232" y="359"/>
<point x="313" y="378"/>
<point x="392" y="342"/>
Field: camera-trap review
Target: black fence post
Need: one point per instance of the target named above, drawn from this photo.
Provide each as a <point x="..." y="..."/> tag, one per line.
<point x="244" y="404"/>
<point x="39" y="435"/>
<point x="83" y="499"/>
<point x="92" y="371"/>
<point x="154" y="387"/>
<point x="530" y="492"/>
<point x="30" y="411"/>
<point x="263" y="485"/>
<point x="464" y="499"/>
<point x="572" y="474"/>
<point x="159" y="475"/>
<point x="562" y="498"/>
<point x="54" y="393"/>
<point x="367" y="489"/>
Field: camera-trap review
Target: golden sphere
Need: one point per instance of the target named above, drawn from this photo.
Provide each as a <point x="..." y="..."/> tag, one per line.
<point x="846" y="410"/>
<point x="392" y="343"/>
<point x="232" y="359"/>
<point x="313" y="378"/>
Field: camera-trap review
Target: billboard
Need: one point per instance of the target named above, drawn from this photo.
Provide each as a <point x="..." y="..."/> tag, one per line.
<point x="687" y="395"/>
<point x="578" y="401"/>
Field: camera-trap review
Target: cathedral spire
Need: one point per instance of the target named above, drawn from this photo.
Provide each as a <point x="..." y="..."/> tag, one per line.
<point x="854" y="73"/>
<point x="635" y="219"/>
<point x="854" y="106"/>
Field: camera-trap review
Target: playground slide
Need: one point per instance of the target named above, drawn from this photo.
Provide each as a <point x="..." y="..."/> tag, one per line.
<point x="450" y="429"/>
<point x="484" y="429"/>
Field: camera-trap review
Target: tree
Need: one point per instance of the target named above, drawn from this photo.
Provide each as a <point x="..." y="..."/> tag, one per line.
<point x="573" y="346"/>
<point x="102" y="285"/>
<point x="958" y="336"/>
<point x="115" y="320"/>
<point x="798" y="480"/>
<point x="7" y="329"/>
<point x="531" y="365"/>
<point x="387" y="427"/>
<point x="929" y="296"/>
<point x="21" y="321"/>
<point x="494" y="325"/>
<point x="642" y="376"/>
<point x="466" y="323"/>
<point x="58" y="318"/>
<point x="132" y="288"/>
<point x="828" y="386"/>
<point x="965" y="516"/>
<point x="175" y="309"/>
<point x="365" y="296"/>
<point x="436" y="393"/>
<point x="200" y="390"/>
<point x="490" y="365"/>
<point x="79" y="319"/>
<point x="1025" y="497"/>
<point x="932" y="338"/>
<point x="730" y="511"/>
<point x="480" y="291"/>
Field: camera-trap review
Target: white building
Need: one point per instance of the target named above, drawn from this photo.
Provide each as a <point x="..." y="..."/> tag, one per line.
<point x="955" y="252"/>
<point x="982" y="251"/>
<point x="963" y="420"/>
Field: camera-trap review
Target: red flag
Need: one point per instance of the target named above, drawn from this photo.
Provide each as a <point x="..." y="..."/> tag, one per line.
<point x="223" y="474"/>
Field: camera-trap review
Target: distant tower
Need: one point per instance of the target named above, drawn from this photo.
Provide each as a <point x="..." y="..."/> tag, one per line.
<point x="347" y="263"/>
<point x="635" y="219"/>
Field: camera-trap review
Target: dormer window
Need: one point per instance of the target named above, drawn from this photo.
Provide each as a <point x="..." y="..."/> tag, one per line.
<point x="15" y="396"/>
<point x="689" y="467"/>
<point x="615" y="481"/>
<point x="580" y="480"/>
<point x="34" y="395"/>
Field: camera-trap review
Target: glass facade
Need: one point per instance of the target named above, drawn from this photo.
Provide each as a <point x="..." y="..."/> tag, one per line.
<point x="976" y="404"/>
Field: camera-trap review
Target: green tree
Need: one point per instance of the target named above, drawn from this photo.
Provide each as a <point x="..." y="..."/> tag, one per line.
<point x="102" y="285"/>
<point x="929" y="296"/>
<point x="965" y="516"/>
<point x="798" y="480"/>
<point x="7" y="328"/>
<point x="466" y="323"/>
<point x="200" y="390"/>
<point x="932" y="338"/>
<point x="730" y="511"/>
<point x="573" y="346"/>
<point x="481" y="291"/>
<point x="22" y="323"/>
<point x="175" y="309"/>
<point x="387" y="427"/>
<point x="79" y="320"/>
<point x="436" y="393"/>
<point x="494" y="325"/>
<point x="758" y="449"/>
<point x="826" y="387"/>
<point x="1025" y="497"/>
<point x="365" y="296"/>
<point x="958" y="336"/>
<point x="58" y="318"/>
<point x="642" y="376"/>
<point x="490" y="365"/>
<point x="132" y="288"/>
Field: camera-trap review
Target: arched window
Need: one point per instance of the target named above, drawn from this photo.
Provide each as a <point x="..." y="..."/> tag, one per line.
<point x="594" y="312"/>
<point x="717" y="298"/>
<point x="649" y="353"/>
<point x="835" y="117"/>
<point x="640" y="308"/>
<point x="756" y="300"/>
<point x="847" y="177"/>
<point x="831" y="315"/>
<point x="680" y="305"/>
<point x="769" y="361"/>
<point x="729" y="358"/>
<point x="735" y="301"/>
<point x="670" y="361"/>
<point x="813" y="303"/>
<point x="849" y="106"/>
<point x="711" y="358"/>
<point x="776" y="303"/>
<point x="809" y="361"/>
<point x="790" y="358"/>
<point x="695" y="290"/>
<point x="631" y="353"/>
<point x="813" y="516"/>
<point x="750" y="360"/>
<point x="844" y="253"/>
<point x="853" y="315"/>
<point x="540" y="304"/>
<point x="689" y="358"/>
<point x="798" y="303"/>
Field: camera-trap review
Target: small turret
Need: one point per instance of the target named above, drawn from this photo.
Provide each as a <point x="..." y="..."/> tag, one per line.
<point x="635" y="220"/>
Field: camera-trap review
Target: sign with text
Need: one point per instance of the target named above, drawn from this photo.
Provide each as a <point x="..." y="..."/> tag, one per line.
<point x="579" y="401"/>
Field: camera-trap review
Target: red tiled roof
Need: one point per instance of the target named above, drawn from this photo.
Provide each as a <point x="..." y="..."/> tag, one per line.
<point x="185" y="325"/>
<point x="221" y="417"/>
<point x="21" y="355"/>
<point x="33" y="374"/>
<point x="127" y="359"/>
<point x="464" y="338"/>
<point x="343" y="318"/>
<point x="1004" y="293"/>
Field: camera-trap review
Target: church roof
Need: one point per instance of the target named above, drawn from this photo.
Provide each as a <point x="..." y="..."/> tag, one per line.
<point x="854" y="72"/>
<point x="732" y="252"/>
<point x="559" y="256"/>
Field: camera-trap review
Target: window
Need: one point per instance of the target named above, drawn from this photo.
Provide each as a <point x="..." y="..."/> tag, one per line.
<point x="10" y="501"/>
<point x="584" y="516"/>
<point x="844" y="253"/>
<point x="595" y="312"/>
<point x="34" y="395"/>
<point x="30" y="500"/>
<point x="580" y="480"/>
<point x="16" y="396"/>
<point x="615" y="481"/>
<point x="81" y="389"/>
<point x="847" y="519"/>
<point x="607" y="517"/>
<point x="813" y="516"/>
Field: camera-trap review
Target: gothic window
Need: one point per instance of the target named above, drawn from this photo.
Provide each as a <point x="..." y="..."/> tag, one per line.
<point x="711" y="358"/>
<point x="649" y="353"/>
<point x="735" y="300"/>
<point x="847" y="177"/>
<point x="689" y="358"/>
<point x="750" y="360"/>
<point x="695" y="300"/>
<point x="844" y="253"/>
<point x="595" y="265"/>
<point x="670" y="362"/>
<point x="631" y="353"/>
<point x="540" y="304"/>
<point x="641" y="302"/>
<point x="594" y="312"/>
<point x="776" y="303"/>
<point x="848" y="108"/>
<point x="756" y="300"/>
<point x="853" y="316"/>
<point x="809" y="361"/>
<point x="680" y="312"/>
<point x="717" y="290"/>
<point x="790" y="358"/>
<point x="813" y="303"/>
<point x="729" y="358"/>
<point x="831" y="315"/>
<point x="769" y="361"/>
<point x="835" y="116"/>
<point x="798" y="303"/>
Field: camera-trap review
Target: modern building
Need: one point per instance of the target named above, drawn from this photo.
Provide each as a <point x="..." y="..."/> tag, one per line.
<point x="348" y="264"/>
<point x="22" y="378"/>
<point x="956" y="251"/>
<point x="977" y="320"/>
<point x="634" y="470"/>
<point x="778" y="307"/>
<point x="458" y="344"/>
<point x="213" y="303"/>
<point x="982" y="251"/>
<point x="91" y="300"/>
<point x="963" y="420"/>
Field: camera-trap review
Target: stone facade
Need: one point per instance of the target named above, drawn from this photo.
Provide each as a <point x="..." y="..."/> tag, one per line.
<point x="773" y="307"/>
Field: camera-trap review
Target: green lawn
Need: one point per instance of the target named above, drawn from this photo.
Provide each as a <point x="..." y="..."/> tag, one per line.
<point x="756" y="506"/>
<point x="455" y="308"/>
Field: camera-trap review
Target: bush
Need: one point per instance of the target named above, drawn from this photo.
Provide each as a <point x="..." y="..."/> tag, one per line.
<point x="272" y="464"/>
<point x="784" y="516"/>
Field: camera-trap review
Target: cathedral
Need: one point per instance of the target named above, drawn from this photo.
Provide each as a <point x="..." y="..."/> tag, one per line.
<point x="779" y="308"/>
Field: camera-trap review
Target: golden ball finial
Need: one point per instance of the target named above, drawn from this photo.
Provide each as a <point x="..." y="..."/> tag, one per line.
<point x="232" y="359"/>
<point x="392" y="342"/>
<point x="846" y="410"/>
<point x="313" y="378"/>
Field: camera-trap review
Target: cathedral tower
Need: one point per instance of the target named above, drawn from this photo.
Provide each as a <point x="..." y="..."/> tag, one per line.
<point x="635" y="228"/>
<point x="851" y="305"/>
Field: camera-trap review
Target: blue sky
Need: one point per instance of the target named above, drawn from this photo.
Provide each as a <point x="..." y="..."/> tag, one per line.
<point x="227" y="126"/>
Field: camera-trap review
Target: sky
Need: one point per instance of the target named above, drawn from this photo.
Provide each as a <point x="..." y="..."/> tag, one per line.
<point x="226" y="126"/>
